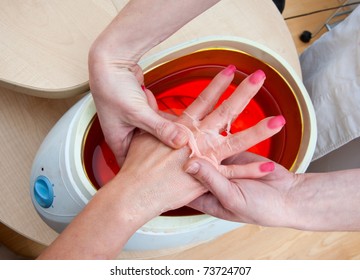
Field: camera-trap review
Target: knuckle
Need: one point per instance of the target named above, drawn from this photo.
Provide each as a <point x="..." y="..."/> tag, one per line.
<point x="162" y="128"/>
<point x="205" y="177"/>
<point x="224" y="109"/>
<point x="227" y="171"/>
<point x="236" y="144"/>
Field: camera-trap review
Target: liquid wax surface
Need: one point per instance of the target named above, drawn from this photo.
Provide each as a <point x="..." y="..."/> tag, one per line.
<point x="174" y="100"/>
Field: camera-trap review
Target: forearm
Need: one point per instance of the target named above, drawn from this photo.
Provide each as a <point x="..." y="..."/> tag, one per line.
<point x="102" y="229"/>
<point x="142" y="24"/>
<point x="327" y="201"/>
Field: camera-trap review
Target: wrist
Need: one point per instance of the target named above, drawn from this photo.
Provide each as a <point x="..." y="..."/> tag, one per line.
<point x="107" y="49"/>
<point x="122" y="41"/>
<point x="327" y="201"/>
<point x="309" y="205"/>
<point x="134" y="205"/>
<point x="143" y="24"/>
<point x="294" y="204"/>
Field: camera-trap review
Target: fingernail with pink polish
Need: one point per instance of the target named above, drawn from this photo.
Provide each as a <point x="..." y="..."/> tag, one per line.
<point x="257" y="77"/>
<point x="143" y="87"/>
<point x="228" y="71"/>
<point x="276" y="122"/>
<point x="267" y="167"/>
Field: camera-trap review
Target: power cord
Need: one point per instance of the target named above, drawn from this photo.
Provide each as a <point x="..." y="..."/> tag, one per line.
<point x="307" y="35"/>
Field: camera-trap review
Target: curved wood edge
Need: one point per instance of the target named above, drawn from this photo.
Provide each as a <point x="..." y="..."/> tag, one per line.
<point x="46" y="93"/>
<point x="19" y="244"/>
<point x="45" y="44"/>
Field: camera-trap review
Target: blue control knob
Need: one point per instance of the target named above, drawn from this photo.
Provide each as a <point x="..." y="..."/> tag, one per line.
<point x="43" y="192"/>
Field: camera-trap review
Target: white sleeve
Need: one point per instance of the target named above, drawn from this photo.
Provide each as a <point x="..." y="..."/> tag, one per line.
<point x="331" y="74"/>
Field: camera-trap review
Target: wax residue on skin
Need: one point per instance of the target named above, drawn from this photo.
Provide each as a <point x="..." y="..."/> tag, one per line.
<point x="193" y="145"/>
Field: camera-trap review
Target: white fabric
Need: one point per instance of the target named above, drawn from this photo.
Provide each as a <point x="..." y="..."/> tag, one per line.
<point x="331" y="74"/>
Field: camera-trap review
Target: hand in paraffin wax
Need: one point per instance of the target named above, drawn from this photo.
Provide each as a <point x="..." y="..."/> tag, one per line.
<point x="163" y="166"/>
<point x="152" y="179"/>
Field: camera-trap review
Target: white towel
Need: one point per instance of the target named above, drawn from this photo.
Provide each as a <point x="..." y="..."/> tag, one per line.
<point x="331" y="74"/>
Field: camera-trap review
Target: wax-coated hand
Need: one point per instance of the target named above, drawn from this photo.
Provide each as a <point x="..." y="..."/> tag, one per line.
<point x="238" y="197"/>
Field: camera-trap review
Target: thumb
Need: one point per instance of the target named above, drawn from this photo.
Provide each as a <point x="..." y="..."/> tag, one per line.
<point x="212" y="179"/>
<point x="168" y="132"/>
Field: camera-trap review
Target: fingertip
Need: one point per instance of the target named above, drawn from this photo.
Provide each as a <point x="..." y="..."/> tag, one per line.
<point x="168" y="132"/>
<point x="276" y="122"/>
<point x="193" y="168"/>
<point x="230" y="70"/>
<point x="180" y="138"/>
<point x="257" y="77"/>
<point x="267" y="167"/>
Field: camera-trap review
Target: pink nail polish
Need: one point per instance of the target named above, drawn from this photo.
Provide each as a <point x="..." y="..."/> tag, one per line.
<point x="228" y="71"/>
<point x="267" y="167"/>
<point x="276" y="122"/>
<point x="143" y="87"/>
<point x="257" y="77"/>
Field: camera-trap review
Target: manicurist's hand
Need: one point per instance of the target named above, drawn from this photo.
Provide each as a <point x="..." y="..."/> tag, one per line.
<point x="122" y="105"/>
<point x="116" y="79"/>
<point x="309" y="201"/>
<point x="236" y="196"/>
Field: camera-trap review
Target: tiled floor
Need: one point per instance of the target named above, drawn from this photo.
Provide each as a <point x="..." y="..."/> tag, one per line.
<point x="297" y="23"/>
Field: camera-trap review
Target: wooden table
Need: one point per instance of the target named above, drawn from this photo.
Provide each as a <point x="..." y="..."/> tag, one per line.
<point x="44" y="51"/>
